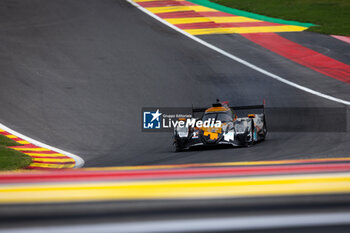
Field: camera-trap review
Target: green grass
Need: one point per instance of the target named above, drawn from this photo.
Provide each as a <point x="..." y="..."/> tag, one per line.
<point x="332" y="16"/>
<point x="11" y="159"/>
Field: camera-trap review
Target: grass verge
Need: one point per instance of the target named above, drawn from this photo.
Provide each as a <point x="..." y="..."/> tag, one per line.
<point x="11" y="159"/>
<point x="332" y="16"/>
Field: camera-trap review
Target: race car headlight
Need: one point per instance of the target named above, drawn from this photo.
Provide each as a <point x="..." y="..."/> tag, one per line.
<point x="240" y="127"/>
<point x="182" y="132"/>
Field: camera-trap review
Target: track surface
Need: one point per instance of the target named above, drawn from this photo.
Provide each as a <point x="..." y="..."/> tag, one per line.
<point x="76" y="75"/>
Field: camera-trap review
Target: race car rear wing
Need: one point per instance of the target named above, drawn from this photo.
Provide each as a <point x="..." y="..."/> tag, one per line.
<point x="247" y="107"/>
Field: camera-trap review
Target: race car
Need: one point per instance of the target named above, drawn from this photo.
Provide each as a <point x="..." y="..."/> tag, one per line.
<point x="233" y="130"/>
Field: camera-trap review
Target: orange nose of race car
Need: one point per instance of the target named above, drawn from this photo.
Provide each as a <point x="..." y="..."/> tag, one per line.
<point x="211" y="134"/>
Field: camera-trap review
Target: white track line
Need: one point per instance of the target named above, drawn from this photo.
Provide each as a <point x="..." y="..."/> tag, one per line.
<point x="200" y="225"/>
<point x="229" y="55"/>
<point x="79" y="162"/>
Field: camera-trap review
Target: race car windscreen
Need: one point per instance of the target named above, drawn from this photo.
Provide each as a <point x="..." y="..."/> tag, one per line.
<point x="219" y="116"/>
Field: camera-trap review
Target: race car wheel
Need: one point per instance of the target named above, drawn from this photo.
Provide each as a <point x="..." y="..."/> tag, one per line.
<point x="264" y="130"/>
<point x="177" y="147"/>
<point x="255" y="135"/>
<point x="264" y="133"/>
<point x="250" y="136"/>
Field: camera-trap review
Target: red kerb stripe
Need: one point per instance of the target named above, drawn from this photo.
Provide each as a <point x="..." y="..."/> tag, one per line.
<point x="80" y="175"/>
<point x="42" y="157"/>
<point x="191" y="14"/>
<point x="165" y="3"/>
<point x="224" y="25"/>
<point x="302" y="55"/>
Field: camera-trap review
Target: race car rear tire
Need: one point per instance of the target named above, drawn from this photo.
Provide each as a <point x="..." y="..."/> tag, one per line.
<point x="251" y="136"/>
<point x="264" y="130"/>
<point x="177" y="147"/>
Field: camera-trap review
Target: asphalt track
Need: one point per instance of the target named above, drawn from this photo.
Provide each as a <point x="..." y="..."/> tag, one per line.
<point x="76" y="75"/>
